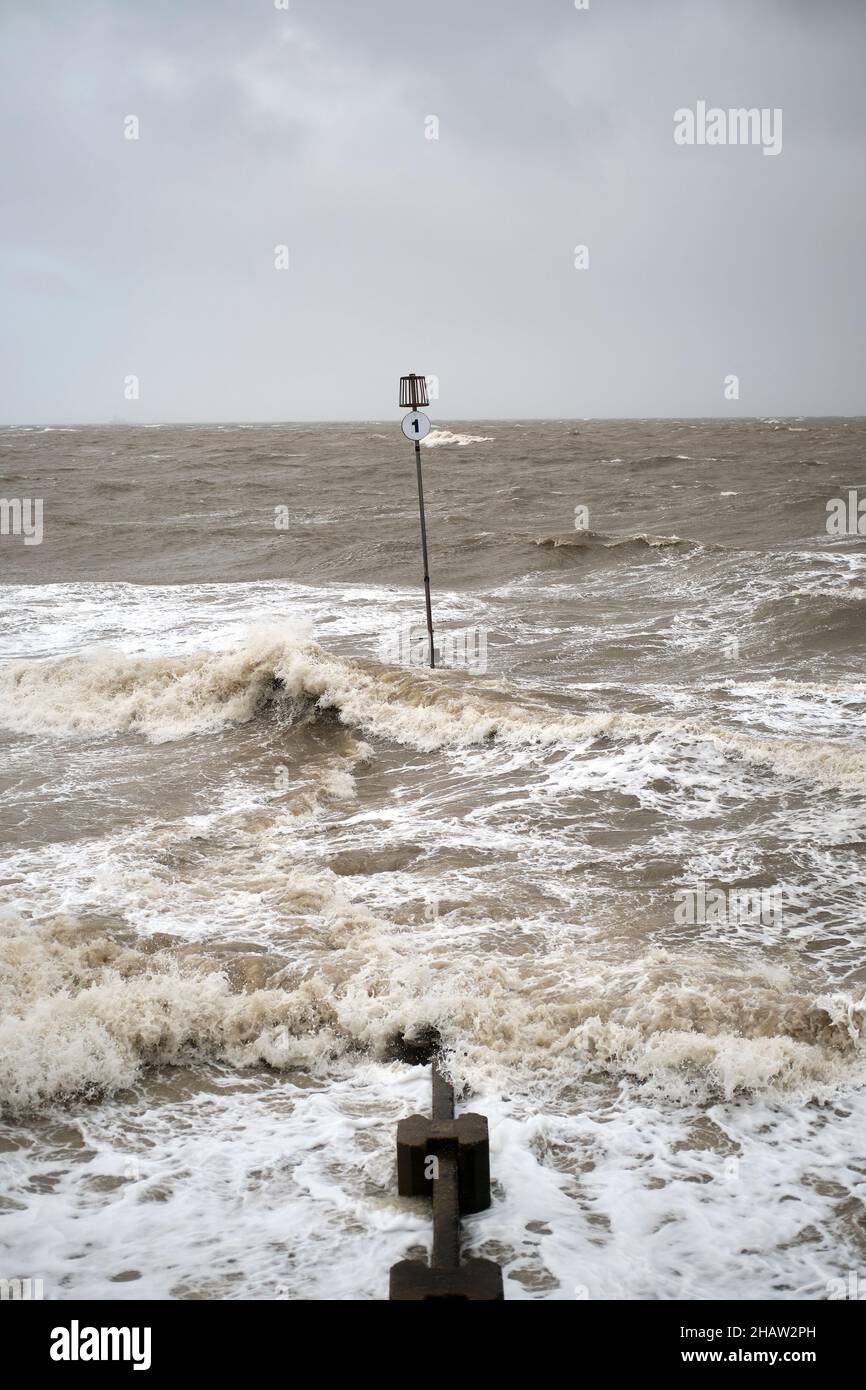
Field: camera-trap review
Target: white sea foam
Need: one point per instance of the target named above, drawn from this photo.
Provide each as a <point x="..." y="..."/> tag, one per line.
<point x="437" y="438"/>
<point x="83" y="1011"/>
<point x="102" y="692"/>
<point x="615" y="1198"/>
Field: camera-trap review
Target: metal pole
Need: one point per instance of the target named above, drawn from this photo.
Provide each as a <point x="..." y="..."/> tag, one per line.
<point x="424" y="551"/>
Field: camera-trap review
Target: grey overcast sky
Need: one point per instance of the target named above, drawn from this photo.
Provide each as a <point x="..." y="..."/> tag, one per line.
<point x="307" y="127"/>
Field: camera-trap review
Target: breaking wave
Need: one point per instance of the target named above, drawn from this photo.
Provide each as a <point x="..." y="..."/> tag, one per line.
<point x="437" y="438"/>
<point x="84" y="1012"/>
<point x="101" y="692"/>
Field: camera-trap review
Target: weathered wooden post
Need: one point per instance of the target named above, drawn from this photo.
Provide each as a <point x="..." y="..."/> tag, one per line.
<point x="413" y="392"/>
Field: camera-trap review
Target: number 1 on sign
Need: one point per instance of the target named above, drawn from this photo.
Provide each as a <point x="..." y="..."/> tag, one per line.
<point x="415" y="425"/>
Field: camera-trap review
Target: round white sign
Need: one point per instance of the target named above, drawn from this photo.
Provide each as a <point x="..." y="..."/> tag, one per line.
<point x="415" y="425"/>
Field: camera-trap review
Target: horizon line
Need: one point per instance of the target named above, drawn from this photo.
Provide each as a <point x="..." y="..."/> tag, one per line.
<point x="390" y="420"/>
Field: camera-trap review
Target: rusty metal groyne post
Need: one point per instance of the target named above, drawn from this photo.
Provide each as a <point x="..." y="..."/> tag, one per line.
<point x="448" y="1159"/>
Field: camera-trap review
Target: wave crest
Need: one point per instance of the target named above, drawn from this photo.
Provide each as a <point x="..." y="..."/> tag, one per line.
<point x="84" y="1012"/>
<point x="437" y="438"/>
<point x="165" y="698"/>
<point x="592" y="540"/>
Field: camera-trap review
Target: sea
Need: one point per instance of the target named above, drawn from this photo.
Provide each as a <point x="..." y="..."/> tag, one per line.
<point x="611" y="848"/>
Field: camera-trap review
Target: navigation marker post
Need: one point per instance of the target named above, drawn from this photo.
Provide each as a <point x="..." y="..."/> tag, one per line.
<point x="415" y="425"/>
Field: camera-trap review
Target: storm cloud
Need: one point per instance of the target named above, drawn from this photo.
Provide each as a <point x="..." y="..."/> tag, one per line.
<point x="310" y="128"/>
